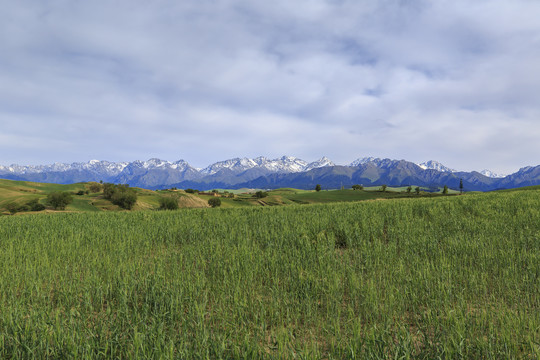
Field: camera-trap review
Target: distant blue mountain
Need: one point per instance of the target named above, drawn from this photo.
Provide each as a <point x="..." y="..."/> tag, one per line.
<point x="266" y="173"/>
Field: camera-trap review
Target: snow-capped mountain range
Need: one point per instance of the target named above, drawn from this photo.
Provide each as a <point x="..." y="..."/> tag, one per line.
<point x="157" y="173"/>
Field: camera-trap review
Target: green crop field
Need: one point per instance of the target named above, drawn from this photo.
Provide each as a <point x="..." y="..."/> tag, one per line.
<point x="445" y="277"/>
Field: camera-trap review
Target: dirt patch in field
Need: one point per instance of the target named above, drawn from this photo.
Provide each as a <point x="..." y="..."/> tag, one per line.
<point x="190" y="201"/>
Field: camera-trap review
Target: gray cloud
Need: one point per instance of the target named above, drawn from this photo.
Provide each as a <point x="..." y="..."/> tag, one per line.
<point x="206" y="80"/>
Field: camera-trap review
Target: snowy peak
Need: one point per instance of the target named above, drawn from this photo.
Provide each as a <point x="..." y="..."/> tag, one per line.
<point x="236" y="165"/>
<point x="322" y="162"/>
<point x="285" y="164"/>
<point x="155" y="163"/>
<point x="491" y="174"/>
<point x="383" y="163"/>
<point x="93" y="166"/>
<point x="435" y="165"/>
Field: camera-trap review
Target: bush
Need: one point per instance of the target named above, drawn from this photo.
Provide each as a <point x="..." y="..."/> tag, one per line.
<point x="24" y="208"/>
<point x="358" y="187"/>
<point x="34" y="205"/>
<point x="261" y="194"/>
<point x="59" y="199"/>
<point x="95" y="187"/>
<point x="383" y="188"/>
<point x="168" y="203"/>
<point x="121" y="195"/>
<point x="108" y="190"/>
<point x="214" y="202"/>
<point x="124" y="199"/>
<point x="191" y="191"/>
<point x="80" y="192"/>
<point x="318" y="187"/>
<point x="12" y="207"/>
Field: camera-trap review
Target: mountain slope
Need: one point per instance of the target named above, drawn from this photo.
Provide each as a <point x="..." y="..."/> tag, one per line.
<point x="261" y="172"/>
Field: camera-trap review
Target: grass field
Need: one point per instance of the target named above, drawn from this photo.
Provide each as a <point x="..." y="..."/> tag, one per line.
<point x="20" y="192"/>
<point x="446" y="277"/>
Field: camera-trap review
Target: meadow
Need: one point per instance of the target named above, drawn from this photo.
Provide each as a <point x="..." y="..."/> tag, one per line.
<point x="446" y="277"/>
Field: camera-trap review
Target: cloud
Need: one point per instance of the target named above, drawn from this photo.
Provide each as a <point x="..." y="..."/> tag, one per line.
<point x="206" y="80"/>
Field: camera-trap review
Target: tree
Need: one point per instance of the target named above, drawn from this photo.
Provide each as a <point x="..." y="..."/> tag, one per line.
<point x="121" y="195"/>
<point x="168" y="203"/>
<point x="461" y="186"/>
<point x="12" y="207"/>
<point x="445" y="190"/>
<point x="94" y="187"/>
<point x="124" y="197"/>
<point x="59" y="199"/>
<point x="358" y="187"/>
<point x="417" y="190"/>
<point x="261" y="194"/>
<point x="383" y="188"/>
<point x="214" y="202"/>
<point x="409" y="189"/>
<point x="318" y="187"/>
<point x="108" y="190"/>
<point x="34" y="205"/>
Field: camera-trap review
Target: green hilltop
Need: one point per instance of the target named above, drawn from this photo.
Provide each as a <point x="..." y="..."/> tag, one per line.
<point x="84" y="199"/>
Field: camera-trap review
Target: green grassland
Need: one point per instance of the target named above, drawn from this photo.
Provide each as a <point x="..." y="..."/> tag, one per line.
<point x="20" y="192"/>
<point x="443" y="277"/>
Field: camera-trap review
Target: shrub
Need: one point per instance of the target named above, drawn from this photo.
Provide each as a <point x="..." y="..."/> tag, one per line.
<point x="358" y="187"/>
<point x="261" y="194"/>
<point x="121" y="195"/>
<point x="12" y="207"/>
<point x="80" y="192"/>
<point x="108" y="190"/>
<point x="59" y="199"/>
<point x="214" y="202"/>
<point x="318" y="187"/>
<point x="383" y="188"/>
<point x="95" y="187"/>
<point x="24" y="208"/>
<point x="34" y="205"/>
<point x="124" y="199"/>
<point x="191" y="191"/>
<point x="168" y="203"/>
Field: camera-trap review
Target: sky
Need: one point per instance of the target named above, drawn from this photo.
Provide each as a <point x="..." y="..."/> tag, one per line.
<point x="208" y="80"/>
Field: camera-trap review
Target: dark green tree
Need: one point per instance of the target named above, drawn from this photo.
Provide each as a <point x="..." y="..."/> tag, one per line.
<point x="445" y="190"/>
<point x="124" y="197"/>
<point x="95" y="187"/>
<point x="121" y="195"/>
<point x="108" y="190"/>
<point x="261" y="194"/>
<point x="168" y="203"/>
<point x="409" y="189"/>
<point x="358" y="187"/>
<point x="12" y="207"/>
<point x="214" y="202"/>
<point x="461" y="186"/>
<point x="383" y="188"/>
<point x="59" y="199"/>
<point x="318" y="187"/>
<point x="417" y="190"/>
<point x="34" y="205"/>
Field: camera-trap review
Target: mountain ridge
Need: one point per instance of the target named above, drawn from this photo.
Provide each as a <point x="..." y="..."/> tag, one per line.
<point x="266" y="173"/>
